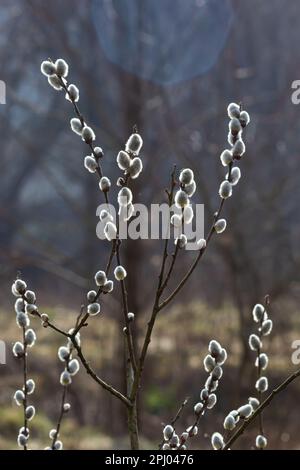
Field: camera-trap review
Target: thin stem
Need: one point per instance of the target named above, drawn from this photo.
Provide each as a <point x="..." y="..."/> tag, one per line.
<point x="60" y="418"/>
<point x="176" y="418"/>
<point x="261" y="407"/>
<point x="130" y="365"/>
<point x="174" y="256"/>
<point x="128" y="332"/>
<point x="170" y="194"/>
<point x="155" y="308"/>
<point x="51" y="325"/>
<point x="86" y="365"/>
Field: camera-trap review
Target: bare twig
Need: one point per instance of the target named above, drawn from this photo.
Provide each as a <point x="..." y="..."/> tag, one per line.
<point x="168" y="275"/>
<point x="170" y="194"/>
<point x="51" y="325"/>
<point x="85" y="363"/>
<point x="176" y="417"/>
<point x="61" y="414"/>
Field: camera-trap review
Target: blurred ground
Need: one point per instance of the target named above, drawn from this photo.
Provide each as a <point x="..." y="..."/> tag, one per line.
<point x="173" y="371"/>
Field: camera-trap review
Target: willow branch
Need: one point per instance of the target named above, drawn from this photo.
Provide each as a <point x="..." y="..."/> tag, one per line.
<point x="259" y="368"/>
<point x="85" y="363"/>
<point x="61" y="414"/>
<point x="259" y="410"/>
<point x="25" y="383"/>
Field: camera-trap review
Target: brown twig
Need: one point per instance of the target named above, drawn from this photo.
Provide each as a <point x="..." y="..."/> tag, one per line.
<point x="170" y="194"/>
<point x="168" y="275"/>
<point x="61" y="415"/>
<point x="51" y="325"/>
<point x="97" y="379"/>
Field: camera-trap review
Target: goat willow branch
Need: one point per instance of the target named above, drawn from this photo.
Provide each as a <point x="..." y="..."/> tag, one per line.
<point x="260" y="409"/>
<point x="218" y="225"/>
<point x="57" y="79"/>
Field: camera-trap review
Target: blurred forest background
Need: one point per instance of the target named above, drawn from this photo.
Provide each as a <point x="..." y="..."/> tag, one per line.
<point x="171" y="67"/>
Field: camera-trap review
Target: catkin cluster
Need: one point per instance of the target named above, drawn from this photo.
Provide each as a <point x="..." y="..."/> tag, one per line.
<point x="104" y="286"/>
<point x="238" y="121"/>
<point x="71" y="366"/>
<point x="213" y="363"/>
<point x="264" y="328"/>
<point x="128" y="160"/>
<point x="25" y="305"/>
<point x="244" y="412"/>
<point x="187" y="188"/>
<point x="232" y="419"/>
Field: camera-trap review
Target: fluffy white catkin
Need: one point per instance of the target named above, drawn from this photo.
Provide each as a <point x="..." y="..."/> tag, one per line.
<point x="134" y="144"/>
